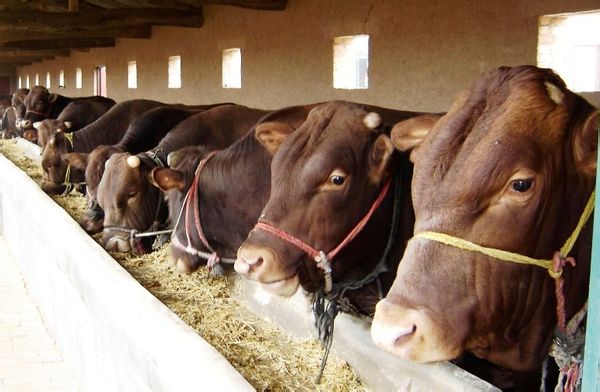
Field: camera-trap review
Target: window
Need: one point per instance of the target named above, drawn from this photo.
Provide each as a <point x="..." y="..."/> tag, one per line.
<point x="351" y="62"/>
<point x="232" y="68"/>
<point x="78" y="78"/>
<point x="61" y="79"/>
<point x="100" y="81"/>
<point x="570" y="45"/>
<point x="19" y="83"/>
<point x="37" y="79"/>
<point x="48" y="80"/>
<point x="27" y="81"/>
<point x="131" y="74"/>
<point x="175" y="72"/>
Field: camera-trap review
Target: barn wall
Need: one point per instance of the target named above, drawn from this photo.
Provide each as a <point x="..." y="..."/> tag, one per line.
<point x="421" y="53"/>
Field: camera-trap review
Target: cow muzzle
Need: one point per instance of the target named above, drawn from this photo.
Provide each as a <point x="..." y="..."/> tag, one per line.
<point x="411" y="334"/>
<point x="260" y="264"/>
<point x="115" y="243"/>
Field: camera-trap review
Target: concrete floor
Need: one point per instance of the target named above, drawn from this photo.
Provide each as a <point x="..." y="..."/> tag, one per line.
<point x="29" y="357"/>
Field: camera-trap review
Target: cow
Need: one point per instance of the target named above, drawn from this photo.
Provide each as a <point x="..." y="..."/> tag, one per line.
<point x="11" y="111"/>
<point x="125" y="194"/>
<point x="75" y="116"/>
<point x="233" y="188"/>
<point x="144" y="133"/>
<point x="40" y="104"/>
<point x="108" y="129"/>
<point x="18" y="103"/>
<point x="509" y="168"/>
<point x="326" y="178"/>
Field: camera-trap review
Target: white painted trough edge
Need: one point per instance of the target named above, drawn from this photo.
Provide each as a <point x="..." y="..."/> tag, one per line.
<point x="378" y="370"/>
<point x="112" y="332"/>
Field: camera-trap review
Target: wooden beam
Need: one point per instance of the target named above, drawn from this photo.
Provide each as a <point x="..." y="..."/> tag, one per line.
<point x="271" y="5"/>
<point x="7" y="36"/>
<point x="65" y="43"/>
<point x="73" y="5"/>
<point x="21" y="59"/>
<point x="53" y="21"/>
<point x="33" y="53"/>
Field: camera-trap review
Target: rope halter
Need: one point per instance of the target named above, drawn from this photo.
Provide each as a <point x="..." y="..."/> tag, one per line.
<point x="321" y="258"/>
<point x="69" y="185"/>
<point x="554" y="266"/>
<point x="212" y="258"/>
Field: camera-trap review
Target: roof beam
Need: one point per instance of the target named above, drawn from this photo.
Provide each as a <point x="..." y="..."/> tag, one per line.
<point x="21" y="59"/>
<point x="12" y="35"/>
<point x="116" y="18"/>
<point x="57" y="44"/>
<point x="34" y="53"/>
<point x="272" y="5"/>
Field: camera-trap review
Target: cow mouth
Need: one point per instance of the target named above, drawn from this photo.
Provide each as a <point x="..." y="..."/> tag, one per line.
<point x="285" y="287"/>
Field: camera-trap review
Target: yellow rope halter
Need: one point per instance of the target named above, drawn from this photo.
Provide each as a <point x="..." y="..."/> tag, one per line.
<point x="515" y="257"/>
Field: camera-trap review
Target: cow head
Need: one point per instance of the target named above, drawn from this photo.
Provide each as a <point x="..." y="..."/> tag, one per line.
<point x="37" y="106"/>
<point x="54" y="164"/>
<point x="127" y="198"/>
<point x="510" y="167"/>
<point x="174" y="181"/>
<point x="18" y="102"/>
<point x="43" y="130"/>
<point x="325" y="177"/>
<point x="93" y="164"/>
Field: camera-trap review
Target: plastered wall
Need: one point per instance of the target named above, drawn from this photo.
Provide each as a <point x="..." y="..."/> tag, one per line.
<point x="422" y="53"/>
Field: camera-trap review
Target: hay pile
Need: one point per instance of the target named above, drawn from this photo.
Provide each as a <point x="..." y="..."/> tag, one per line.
<point x="266" y="357"/>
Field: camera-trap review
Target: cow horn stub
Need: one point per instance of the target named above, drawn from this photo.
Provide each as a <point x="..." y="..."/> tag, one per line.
<point x="68" y="124"/>
<point x="133" y="161"/>
<point x="554" y="92"/>
<point x="37" y="124"/>
<point x="372" y="120"/>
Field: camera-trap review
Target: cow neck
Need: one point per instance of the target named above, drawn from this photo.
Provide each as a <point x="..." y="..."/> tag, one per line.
<point x="554" y="266"/>
<point x="134" y="236"/>
<point x="192" y="202"/>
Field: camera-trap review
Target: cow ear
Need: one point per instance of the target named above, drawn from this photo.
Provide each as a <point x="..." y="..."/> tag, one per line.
<point x="52" y="97"/>
<point x="408" y="134"/>
<point x="77" y="160"/>
<point x="166" y="179"/>
<point x="380" y="157"/>
<point x="585" y="144"/>
<point x="272" y="134"/>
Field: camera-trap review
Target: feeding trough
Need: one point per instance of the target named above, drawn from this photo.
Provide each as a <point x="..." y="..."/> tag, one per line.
<point x="118" y="336"/>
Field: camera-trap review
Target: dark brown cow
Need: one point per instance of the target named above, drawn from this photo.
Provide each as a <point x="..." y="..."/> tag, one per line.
<point x="75" y="116"/>
<point x="18" y="103"/>
<point x="144" y="133"/>
<point x="108" y="129"/>
<point x="233" y="188"/>
<point x="325" y="178"/>
<point x="129" y="200"/>
<point x="40" y="104"/>
<point x="510" y="167"/>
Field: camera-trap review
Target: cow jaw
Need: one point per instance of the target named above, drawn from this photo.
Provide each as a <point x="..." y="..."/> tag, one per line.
<point x="410" y="334"/>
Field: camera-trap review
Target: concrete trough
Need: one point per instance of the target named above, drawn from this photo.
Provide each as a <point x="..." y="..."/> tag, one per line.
<point x="116" y="336"/>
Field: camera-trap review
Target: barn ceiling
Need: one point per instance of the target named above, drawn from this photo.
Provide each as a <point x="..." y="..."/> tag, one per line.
<point x="36" y="30"/>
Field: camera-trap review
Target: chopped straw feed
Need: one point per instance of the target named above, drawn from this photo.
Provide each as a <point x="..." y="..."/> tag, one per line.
<point x="268" y="358"/>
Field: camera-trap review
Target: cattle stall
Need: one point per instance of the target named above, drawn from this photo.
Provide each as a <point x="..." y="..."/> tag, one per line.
<point x="266" y="54"/>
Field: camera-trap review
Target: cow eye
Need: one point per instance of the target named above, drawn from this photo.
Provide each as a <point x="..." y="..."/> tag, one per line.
<point x="132" y="194"/>
<point x="337" y="179"/>
<point x="521" y="185"/>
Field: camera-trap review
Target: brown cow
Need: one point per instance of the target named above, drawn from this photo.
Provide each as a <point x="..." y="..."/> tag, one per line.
<point x="128" y="199"/>
<point x="75" y="116"/>
<point x="325" y="177"/>
<point x="40" y="104"/>
<point x="510" y="167"/>
<point x="233" y="188"/>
